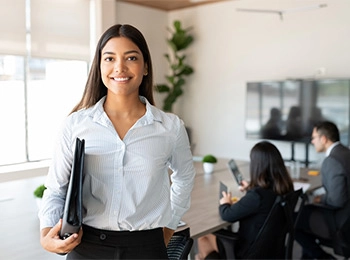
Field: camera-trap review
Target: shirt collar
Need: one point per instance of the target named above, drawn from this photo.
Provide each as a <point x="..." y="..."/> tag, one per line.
<point x="152" y="113"/>
<point x="328" y="151"/>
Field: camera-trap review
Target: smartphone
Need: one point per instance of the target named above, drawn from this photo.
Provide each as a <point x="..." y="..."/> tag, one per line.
<point x="223" y="187"/>
<point x="235" y="171"/>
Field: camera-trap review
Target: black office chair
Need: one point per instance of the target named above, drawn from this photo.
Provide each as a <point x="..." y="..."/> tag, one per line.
<point x="340" y="235"/>
<point x="339" y="242"/>
<point x="180" y="245"/>
<point x="275" y="238"/>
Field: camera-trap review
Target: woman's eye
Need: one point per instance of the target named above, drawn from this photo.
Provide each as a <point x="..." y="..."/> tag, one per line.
<point x="109" y="59"/>
<point x="132" y="58"/>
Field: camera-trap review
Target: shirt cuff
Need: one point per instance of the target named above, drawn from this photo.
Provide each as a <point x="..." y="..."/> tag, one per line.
<point x="174" y="223"/>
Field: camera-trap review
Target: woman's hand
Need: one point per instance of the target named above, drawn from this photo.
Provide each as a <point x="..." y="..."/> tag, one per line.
<point x="168" y="233"/>
<point x="226" y="198"/>
<point x="51" y="241"/>
<point x="244" y="185"/>
<point x="317" y="199"/>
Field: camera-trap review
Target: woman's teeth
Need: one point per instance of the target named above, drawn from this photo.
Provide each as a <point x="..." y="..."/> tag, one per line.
<point x="121" y="79"/>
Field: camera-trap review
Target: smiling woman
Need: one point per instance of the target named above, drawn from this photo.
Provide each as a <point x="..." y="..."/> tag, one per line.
<point x="129" y="147"/>
<point x="122" y="71"/>
<point x="122" y="66"/>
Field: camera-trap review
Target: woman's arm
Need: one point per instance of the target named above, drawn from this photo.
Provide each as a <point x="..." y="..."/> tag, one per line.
<point x="247" y="205"/>
<point x="182" y="178"/>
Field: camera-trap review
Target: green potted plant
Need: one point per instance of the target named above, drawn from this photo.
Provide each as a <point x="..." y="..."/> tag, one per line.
<point x="38" y="194"/>
<point x="209" y="161"/>
<point x="179" y="41"/>
<point x="39" y="191"/>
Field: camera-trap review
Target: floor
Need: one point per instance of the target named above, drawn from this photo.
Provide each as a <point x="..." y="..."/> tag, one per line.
<point x="19" y="223"/>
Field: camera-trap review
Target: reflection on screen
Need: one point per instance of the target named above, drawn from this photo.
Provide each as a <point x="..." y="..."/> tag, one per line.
<point x="287" y="110"/>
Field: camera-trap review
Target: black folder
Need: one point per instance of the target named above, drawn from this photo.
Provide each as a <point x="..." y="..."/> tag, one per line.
<point x="72" y="214"/>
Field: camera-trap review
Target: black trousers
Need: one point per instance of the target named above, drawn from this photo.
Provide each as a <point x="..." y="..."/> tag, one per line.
<point x="105" y="244"/>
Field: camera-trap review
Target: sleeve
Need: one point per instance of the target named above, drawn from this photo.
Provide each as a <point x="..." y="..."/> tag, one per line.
<point x="57" y="181"/>
<point x="334" y="182"/>
<point x="247" y="205"/>
<point x="182" y="178"/>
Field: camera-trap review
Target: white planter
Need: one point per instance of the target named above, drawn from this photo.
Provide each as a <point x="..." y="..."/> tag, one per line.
<point x="208" y="167"/>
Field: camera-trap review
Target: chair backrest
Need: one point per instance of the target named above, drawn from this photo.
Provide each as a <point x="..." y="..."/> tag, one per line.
<point x="341" y="242"/>
<point x="180" y="245"/>
<point x="276" y="236"/>
<point x="340" y="239"/>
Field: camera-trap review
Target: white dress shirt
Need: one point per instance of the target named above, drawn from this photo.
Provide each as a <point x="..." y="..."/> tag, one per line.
<point x="330" y="148"/>
<point x="126" y="182"/>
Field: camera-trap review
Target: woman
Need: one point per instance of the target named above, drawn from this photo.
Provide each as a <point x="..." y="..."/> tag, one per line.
<point x="268" y="178"/>
<point x="131" y="209"/>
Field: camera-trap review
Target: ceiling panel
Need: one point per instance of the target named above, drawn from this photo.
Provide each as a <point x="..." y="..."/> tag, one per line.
<point x="170" y="5"/>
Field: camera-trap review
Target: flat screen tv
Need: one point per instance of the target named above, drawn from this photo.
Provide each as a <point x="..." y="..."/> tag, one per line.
<point x="287" y="109"/>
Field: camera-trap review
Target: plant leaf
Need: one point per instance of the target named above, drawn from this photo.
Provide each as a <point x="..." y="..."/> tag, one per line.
<point x="162" y="88"/>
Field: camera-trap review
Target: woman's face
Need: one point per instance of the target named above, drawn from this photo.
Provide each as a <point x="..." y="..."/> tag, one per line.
<point x="122" y="66"/>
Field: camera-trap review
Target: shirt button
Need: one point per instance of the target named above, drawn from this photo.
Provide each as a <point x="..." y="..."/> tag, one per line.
<point x="103" y="236"/>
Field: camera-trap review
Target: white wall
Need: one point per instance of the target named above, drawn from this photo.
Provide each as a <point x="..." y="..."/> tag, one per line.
<point x="234" y="47"/>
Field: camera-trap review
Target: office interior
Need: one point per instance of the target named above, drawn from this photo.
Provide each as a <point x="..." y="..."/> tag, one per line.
<point x="231" y="48"/>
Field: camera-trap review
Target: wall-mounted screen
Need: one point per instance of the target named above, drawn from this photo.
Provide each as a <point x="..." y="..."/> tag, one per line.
<point x="287" y="110"/>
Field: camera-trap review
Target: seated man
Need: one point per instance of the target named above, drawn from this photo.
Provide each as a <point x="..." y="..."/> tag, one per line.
<point x="321" y="218"/>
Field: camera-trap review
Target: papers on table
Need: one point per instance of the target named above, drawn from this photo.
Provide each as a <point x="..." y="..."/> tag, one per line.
<point x="181" y="224"/>
<point x="304" y="185"/>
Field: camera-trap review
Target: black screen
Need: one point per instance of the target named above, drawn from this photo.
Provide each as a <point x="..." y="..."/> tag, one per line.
<point x="287" y="110"/>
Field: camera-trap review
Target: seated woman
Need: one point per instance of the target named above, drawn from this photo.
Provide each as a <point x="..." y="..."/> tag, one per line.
<point x="268" y="178"/>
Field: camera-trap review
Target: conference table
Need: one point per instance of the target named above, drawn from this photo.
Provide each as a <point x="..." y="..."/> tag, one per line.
<point x="203" y="216"/>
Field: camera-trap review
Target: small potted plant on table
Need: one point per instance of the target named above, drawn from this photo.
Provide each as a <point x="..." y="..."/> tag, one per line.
<point x="38" y="194"/>
<point x="209" y="161"/>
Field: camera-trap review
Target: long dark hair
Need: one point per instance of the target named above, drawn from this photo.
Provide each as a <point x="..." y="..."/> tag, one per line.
<point x="94" y="88"/>
<point x="267" y="169"/>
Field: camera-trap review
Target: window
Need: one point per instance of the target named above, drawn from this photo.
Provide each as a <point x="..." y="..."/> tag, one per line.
<point x="31" y="113"/>
<point x="43" y="69"/>
<point x="12" y="106"/>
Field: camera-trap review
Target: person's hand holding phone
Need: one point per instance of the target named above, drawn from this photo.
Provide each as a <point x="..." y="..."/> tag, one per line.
<point x="226" y="198"/>
<point x="243" y="185"/>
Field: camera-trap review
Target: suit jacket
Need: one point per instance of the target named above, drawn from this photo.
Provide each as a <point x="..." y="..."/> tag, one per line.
<point x="251" y="212"/>
<point x="335" y="173"/>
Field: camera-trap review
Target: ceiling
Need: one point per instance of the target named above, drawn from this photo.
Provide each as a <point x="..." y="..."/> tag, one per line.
<point x="170" y="5"/>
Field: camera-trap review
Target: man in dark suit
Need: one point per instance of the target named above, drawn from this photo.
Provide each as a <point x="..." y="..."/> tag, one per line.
<point x="328" y="211"/>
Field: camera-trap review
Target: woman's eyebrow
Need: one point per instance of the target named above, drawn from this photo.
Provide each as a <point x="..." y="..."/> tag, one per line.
<point x="108" y="53"/>
<point x="127" y="52"/>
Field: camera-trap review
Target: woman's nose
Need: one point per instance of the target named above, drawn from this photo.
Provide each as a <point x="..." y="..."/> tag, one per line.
<point x="119" y="66"/>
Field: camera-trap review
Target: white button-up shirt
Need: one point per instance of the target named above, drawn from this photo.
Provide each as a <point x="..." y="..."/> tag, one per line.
<point x="126" y="182"/>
